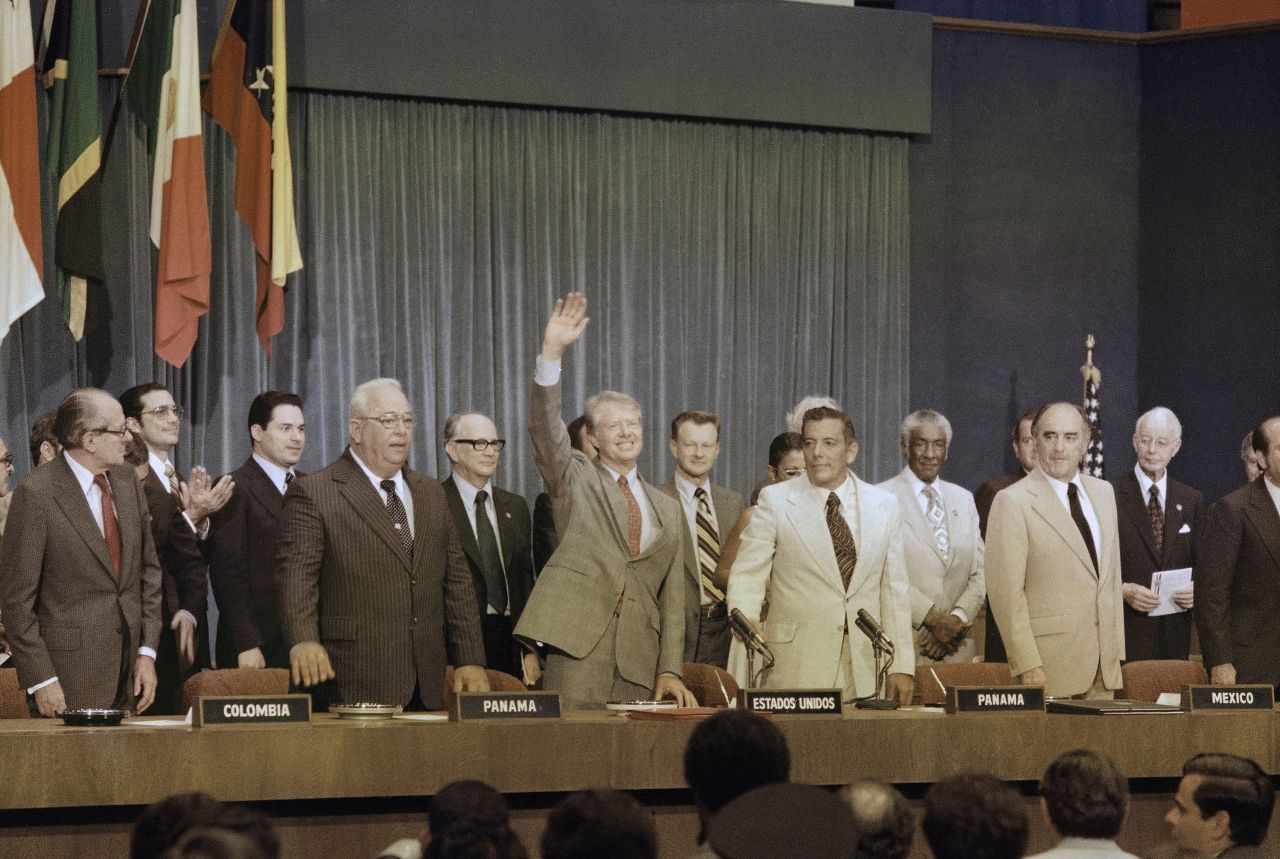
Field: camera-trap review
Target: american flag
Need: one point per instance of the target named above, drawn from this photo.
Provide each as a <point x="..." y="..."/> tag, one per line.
<point x="1092" y="408"/>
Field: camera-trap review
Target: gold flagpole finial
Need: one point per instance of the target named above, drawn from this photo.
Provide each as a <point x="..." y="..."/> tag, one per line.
<point x="1088" y="370"/>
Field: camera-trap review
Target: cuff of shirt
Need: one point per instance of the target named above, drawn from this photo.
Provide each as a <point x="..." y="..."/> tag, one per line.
<point x="48" y="682"/>
<point x="547" y="373"/>
<point x="959" y="612"/>
<point x="146" y="651"/>
<point x="179" y="615"/>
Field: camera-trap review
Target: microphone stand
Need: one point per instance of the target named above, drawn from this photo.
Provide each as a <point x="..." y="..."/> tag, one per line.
<point x="880" y="647"/>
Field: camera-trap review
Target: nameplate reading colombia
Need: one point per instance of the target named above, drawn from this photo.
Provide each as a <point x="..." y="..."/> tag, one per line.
<point x="793" y="702"/>
<point x="253" y="710"/>
<point x="473" y="706"/>
<point x="1250" y="697"/>
<point x="995" y="699"/>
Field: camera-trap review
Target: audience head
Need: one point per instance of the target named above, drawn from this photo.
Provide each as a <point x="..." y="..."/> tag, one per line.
<point x="6" y="467"/>
<point x="830" y="446"/>
<point x="163" y="825"/>
<point x="731" y="753"/>
<point x="1084" y="795"/>
<point x="467" y="800"/>
<point x="471" y="442"/>
<point x="973" y="815"/>
<point x="786" y="457"/>
<point x="42" y="442"/>
<point x="381" y="426"/>
<point x="471" y="819"/>
<point x="579" y="438"/>
<point x="1266" y="447"/>
<point x="469" y="839"/>
<point x="1061" y="431"/>
<point x="784" y="820"/>
<point x="151" y="413"/>
<point x="925" y="438"/>
<point x="1222" y="801"/>
<point x="695" y="444"/>
<point x="90" y="425"/>
<point x="599" y="824"/>
<point x="883" y="818"/>
<point x="1157" y="436"/>
<point x="1024" y="441"/>
<point x="795" y="417"/>
<point x="277" y="427"/>
<point x="614" y="427"/>
<point x="1249" y="456"/>
<point x="215" y="844"/>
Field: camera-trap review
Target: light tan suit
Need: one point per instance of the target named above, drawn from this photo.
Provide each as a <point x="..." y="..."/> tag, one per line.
<point x="1054" y="611"/>
<point x="958" y="581"/>
<point x="787" y="550"/>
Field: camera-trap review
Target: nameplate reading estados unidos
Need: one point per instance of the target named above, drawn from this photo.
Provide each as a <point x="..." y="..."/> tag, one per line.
<point x="253" y="710"/>
<point x="1251" y="697"/>
<point x="793" y="702"/>
<point x="995" y="699"/>
<point x="472" y="706"/>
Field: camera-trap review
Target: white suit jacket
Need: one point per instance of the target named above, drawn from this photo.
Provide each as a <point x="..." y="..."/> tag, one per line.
<point x="787" y="553"/>
<point x="957" y="582"/>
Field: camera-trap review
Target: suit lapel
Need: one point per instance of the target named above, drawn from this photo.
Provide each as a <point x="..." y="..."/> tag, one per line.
<point x="506" y="527"/>
<point x="1173" y="517"/>
<point x="617" y="507"/>
<point x="1049" y="507"/>
<point x="914" y="516"/>
<point x="261" y="488"/>
<point x="1262" y="512"/>
<point x="807" y="513"/>
<point x="414" y="483"/>
<point x="659" y="526"/>
<point x="71" y="499"/>
<point x="1130" y="498"/>
<point x="124" y="491"/>
<point x="461" y="522"/>
<point x="367" y="503"/>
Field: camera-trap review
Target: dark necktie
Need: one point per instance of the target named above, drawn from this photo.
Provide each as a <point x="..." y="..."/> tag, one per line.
<point x="398" y="516"/>
<point x="495" y="583"/>
<point x="841" y="540"/>
<point x="1157" y="518"/>
<point x="288" y="478"/>
<point x="110" y="526"/>
<point x="1077" y="513"/>
<point x="708" y="540"/>
<point x="635" y="522"/>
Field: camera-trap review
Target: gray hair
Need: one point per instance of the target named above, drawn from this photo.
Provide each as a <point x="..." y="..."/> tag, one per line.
<point x="363" y="395"/>
<point x="795" y="417"/>
<point x="78" y="415"/>
<point x="1246" y="449"/>
<point x="606" y="398"/>
<point x="451" y="423"/>
<point x="1159" y="413"/>
<point x="917" y="419"/>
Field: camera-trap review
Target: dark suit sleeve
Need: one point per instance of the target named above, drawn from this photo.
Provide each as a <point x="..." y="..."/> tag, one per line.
<point x="182" y="560"/>
<point x="21" y="564"/>
<point x="151" y="576"/>
<point x="545" y="538"/>
<point x="227" y="547"/>
<point x="299" y="557"/>
<point x="1215" y="569"/>
<point x="461" y="611"/>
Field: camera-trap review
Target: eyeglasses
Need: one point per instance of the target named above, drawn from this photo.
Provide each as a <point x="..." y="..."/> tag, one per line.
<point x="793" y="472"/>
<point x="118" y="433"/>
<point x="7" y="459"/>
<point x="391" y="420"/>
<point x="165" y="411"/>
<point x="483" y="443"/>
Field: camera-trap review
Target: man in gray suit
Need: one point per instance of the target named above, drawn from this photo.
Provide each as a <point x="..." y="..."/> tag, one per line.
<point x="609" y="604"/>
<point x="80" y="583"/>
<point x="374" y="589"/>
<point x="709" y="514"/>
<point x="940" y="541"/>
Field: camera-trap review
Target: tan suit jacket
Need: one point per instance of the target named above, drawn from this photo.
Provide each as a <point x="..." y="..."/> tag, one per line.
<point x="64" y="611"/>
<point x="575" y="595"/>
<point x="787" y="551"/>
<point x="958" y="581"/>
<point x="1054" y="610"/>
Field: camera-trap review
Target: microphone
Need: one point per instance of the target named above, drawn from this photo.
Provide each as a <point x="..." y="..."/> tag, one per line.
<point x="871" y="628"/>
<point x="749" y="634"/>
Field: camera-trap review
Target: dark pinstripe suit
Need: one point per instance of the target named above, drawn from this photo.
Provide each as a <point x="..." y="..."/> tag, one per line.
<point x="388" y="622"/>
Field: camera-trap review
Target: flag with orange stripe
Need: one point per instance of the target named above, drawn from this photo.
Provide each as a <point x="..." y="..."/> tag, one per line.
<point x="21" y="249"/>
<point x="247" y="96"/>
<point x="163" y="90"/>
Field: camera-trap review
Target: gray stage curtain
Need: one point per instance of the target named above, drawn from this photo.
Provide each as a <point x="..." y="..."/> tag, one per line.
<point x="731" y="268"/>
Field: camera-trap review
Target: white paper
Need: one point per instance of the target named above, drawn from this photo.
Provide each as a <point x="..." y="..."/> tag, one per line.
<point x="1164" y="583"/>
<point x="1173" y="699"/>
<point x="422" y="717"/>
<point x="4" y="657"/>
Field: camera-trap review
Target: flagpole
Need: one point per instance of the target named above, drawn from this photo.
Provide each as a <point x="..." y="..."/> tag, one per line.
<point x="1088" y="370"/>
<point x="143" y="8"/>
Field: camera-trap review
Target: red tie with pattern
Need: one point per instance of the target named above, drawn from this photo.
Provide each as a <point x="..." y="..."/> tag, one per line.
<point x="1157" y="518"/>
<point x="110" y="526"/>
<point x="634" y="520"/>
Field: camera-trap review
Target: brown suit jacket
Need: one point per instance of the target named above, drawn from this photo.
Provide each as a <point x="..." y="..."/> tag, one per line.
<point x="388" y="621"/>
<point x="65" y="613"/>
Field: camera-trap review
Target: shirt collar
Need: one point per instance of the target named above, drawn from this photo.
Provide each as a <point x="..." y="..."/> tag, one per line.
<point x="846" y="492"/>
<point x="275" y="472"/>
<point x="398" y="477"/>
<point x="1272" y="490"/>
<point x="1145" y="483"/>
<point x="1060" y="486"/>
<point x="157" y="465"/>
<point x="686" y="489"/>
<point x="918" y="485"/>
<point x="468" y="492"/>
<point x="83" y="475"/>
<point x="633" y="476"/>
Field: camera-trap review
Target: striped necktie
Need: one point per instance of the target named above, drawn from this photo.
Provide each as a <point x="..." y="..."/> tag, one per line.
<point x="841" y="539"/>
<point x="708" y="542"/>
<point x="938" y="520"/>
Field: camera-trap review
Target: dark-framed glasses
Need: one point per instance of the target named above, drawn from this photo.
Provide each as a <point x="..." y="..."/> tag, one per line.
<point x="165" y="411"/>
<point x="118" y="433"/>
<point x="483" y="443"/>
<point x="391" y="420"/>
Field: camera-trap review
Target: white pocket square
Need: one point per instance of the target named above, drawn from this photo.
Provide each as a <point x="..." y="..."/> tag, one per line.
<point x="1185" y="529"/>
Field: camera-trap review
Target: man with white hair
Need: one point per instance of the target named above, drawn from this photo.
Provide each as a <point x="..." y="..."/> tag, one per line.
<point x="941" y="544"/>
<point x="1159" y="520"/>
<point x="375" y="593"/>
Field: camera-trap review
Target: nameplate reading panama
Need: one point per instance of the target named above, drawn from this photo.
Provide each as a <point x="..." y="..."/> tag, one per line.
<point x="995" y="699"/>
<point x="1252" y="697"/>
<point x="507" y="705"/>
<point x="253" y="710"/>
<point x="794" y="702"/>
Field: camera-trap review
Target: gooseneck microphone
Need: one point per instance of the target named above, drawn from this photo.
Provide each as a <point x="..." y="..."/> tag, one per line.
<point x="871" y="628"/>
<point x="749" y="634"/>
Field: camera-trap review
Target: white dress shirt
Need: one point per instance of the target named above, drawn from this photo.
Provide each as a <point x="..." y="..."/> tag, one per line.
<point x="406" y="497"/>
<point x="1145" y="483"/>
<point x="1273" y="491"/>
<point x="278" y="475"/>
<point x="158" y="466"/>
<point x="468" y="493"/>
<point x="685" y="490"/>
<point x="1085" y="505"/>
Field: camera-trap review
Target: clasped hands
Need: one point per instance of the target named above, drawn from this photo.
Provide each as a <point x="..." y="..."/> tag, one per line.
<point x="1144" y="600"/>
<point x="943" y="634"/>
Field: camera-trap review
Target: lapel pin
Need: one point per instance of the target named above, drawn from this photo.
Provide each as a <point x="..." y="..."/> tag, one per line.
<point x="508" y="515"/>
<point x="1178" y="507"/>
